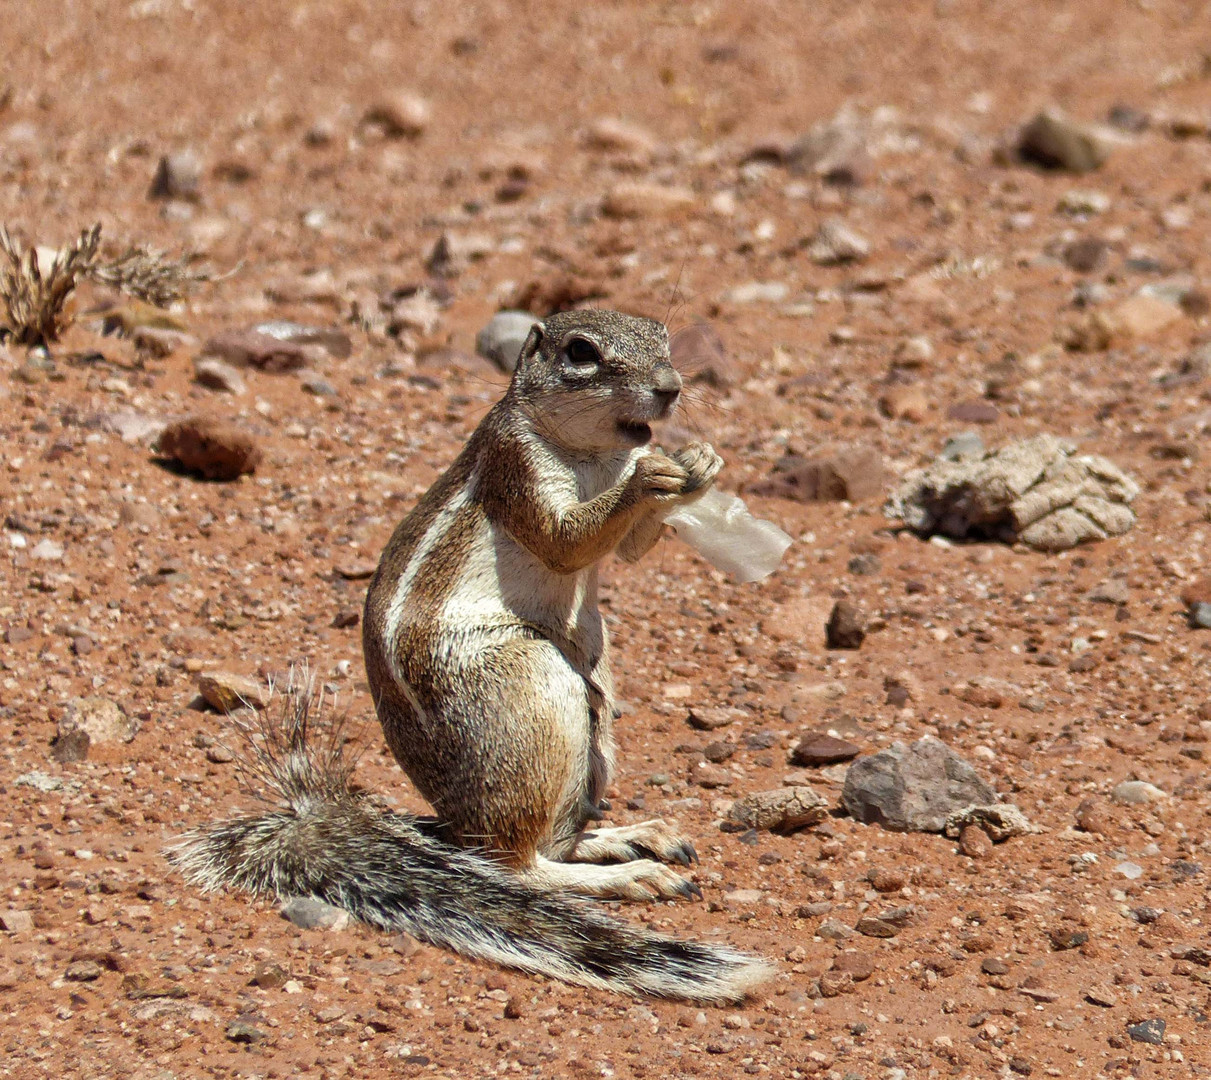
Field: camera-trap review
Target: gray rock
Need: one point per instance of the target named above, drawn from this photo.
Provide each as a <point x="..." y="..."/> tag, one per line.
<point x="964" y="445"/>
<point x="501" y="340"/>
<point x="101" y="719"/>
<point x="39" y="781"/>
<point x="1136" y="793"/>
<point x="1200" y="616"/>
<point x="846" y="628"/>
<point x="835" y="243"/>
<point x="1148" y="1031"/>
<point x="336" y="343"/>
<point x="311" y="914"/>
<point x="1059" y="142"/>
<point x="1034" y="490"/>
<point x="216" y="374"/>
<point x="913" y="788"/>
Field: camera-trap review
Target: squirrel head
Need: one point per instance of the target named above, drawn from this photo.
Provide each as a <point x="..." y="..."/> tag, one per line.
<point x="593" y="381"/>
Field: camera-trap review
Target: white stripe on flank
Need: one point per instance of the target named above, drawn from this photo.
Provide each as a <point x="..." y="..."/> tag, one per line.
<point x="434" y="535"/>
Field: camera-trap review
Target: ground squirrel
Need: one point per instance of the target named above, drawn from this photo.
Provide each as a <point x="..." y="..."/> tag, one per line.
<point x="488" y="664"/>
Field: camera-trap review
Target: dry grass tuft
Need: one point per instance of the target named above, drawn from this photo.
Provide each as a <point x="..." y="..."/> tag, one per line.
<point x="35" y="301"/>
<point x="35" y="296"/>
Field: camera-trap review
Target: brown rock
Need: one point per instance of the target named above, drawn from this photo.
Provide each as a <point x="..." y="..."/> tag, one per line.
<point x="102" y="720"/>
<point x="834" y="983"/>
<point x="709" y="718"/>
<point x="905" y="403"/>
<point x="859" y="965"/>
<point x="886" y="880"/>
<point x="782" y="810"/>
<point x="1199" y="592"/>
<point x="403" y="114"/>
<point x="215" y="449"/>
<point x="250" y="348"/>
<point x="846" y="628"/>
<point x="1058" y="142"/>
<point x="635" y="199"/>
<point x="228" y="692"/>
<point x="974" y="412"/>
<point x="852" y="473"/>
<point x="16" y="922"/>
<point x="876" y="927"/>
<point x="1092" y="817"/>
<point x="821" y="748"/>
<point x="708" y="775"/>
<point x="178" y="176"/>
<point x="975" y="843"/>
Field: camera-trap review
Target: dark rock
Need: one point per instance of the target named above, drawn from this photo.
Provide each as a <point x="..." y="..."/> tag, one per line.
<point x="821" y="748"/>
<point x="214" y="448"/>
<point x="913" y="787"/>
<point x="501" y="340"/>
<point x="1055" y="141"/>
<point x="177" y="177"/>
<point x="70" y="747"/>
<point x="1086" y="255"/>
<point x="846" y="628"/>
<point x="974" y="412"/>
<point x="1148" y="1031"/>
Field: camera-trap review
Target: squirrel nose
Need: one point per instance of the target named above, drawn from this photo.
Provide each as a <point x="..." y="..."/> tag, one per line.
<point x="666" y="385"/>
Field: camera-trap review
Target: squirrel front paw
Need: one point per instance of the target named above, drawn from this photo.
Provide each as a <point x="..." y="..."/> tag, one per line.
<point x="657" y="479"/>
<point x="701" y="465"/>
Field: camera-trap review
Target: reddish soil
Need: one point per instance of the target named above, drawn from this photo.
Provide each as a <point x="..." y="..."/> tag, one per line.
<point x="115" y="967"/>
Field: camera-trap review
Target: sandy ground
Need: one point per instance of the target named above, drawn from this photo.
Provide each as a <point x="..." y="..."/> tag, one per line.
<point x="125" y="579"/>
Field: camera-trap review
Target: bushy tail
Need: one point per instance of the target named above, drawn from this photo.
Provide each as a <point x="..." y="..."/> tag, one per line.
<point x="326" y="841"/>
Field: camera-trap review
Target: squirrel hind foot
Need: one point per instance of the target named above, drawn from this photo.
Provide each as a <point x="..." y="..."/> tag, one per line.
<point x="654" y="839"/>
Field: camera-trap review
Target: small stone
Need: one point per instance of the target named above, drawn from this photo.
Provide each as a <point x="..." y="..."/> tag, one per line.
<point x="636" y="199"/>
<point x="905" y="403"/>
<point x="1200" y="616"/>
<point x="618" y="136"/>
<point x="71" y="747"/>
<point x="401" y="115"/>
<point x="102" y="720"/>
<point x="178" y="176"/>
<point x="974" y="412"/>
<point x="270" y="976"/>
<point x="1111" y="591"/>
<point x="1136" y="793"/>
<point x="1067" y="937"/>
<point x="1131" y="871"/>
<point x="1199" y="592"/>
<point x="873" y="926"/>
<point x="219" y="755"/>
<point x="821" y="748"/>
<point x="229" y="693"/>
<point x="1091" y="817"/>
<point x="846" y="627"/>
<point x="1083" y="201"/>
<point x="1054" y="140"/>
<point x="719" y="751"/>
<point x="1086" y="255"/>
<point x="698" y="353"/>
<point x="885" y="880"/>
<point x="317" y="341"/>
<point x="346" y="618"/>
<point x="47" y="550"/>
<point x="783" y="810"/>
<point x="1148" y="1031"/>
<point x="311" y="914"/>
<point x="712" y="717"/>
<point x="514" y="1007"/>
<point x="832" y="930"/>
<point x="860" y="966"/>
<point x="992" y="965"/>
<point x="1101" y="996"/>
<point x="216" y="374"/>
<point x="708" y="775"/>
<point x="836" y="243"/>
<point x="16" y="922"/>
<point x="500" y="341"/>
<point x="240" y="1031"/>
<point x="265" y="352"/>
<point x="317" y="385"/>
<point x="852" y="473"/>
<point x="836" y="151"/>
<point x="83" y="971"/>
<point x="912" y="787"/>
<point x="757" y="292"/>
<point x="975" y="843"/>
<point x="834" y="983"/>
<point x="213" y="448"/>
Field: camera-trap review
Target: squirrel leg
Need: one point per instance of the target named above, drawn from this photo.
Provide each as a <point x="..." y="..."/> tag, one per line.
<point x="639" y="880"/>
<point x="654" y="839"/>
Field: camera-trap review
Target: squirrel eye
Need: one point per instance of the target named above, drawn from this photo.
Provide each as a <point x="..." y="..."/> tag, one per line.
<point x="582" y="353"/>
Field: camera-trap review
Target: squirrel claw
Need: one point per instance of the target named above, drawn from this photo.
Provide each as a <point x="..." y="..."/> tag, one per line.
<point x="684" y="854"/>
<point x="690" y="890"/>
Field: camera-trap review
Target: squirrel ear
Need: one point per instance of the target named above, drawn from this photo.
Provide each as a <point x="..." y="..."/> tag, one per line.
<point x="533" y="341"/>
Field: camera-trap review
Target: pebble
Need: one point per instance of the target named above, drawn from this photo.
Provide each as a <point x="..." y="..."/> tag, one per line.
<point x="860" y="966"/>
<point x="213" y="448"/>
<point x="1136" y="793"/>
<point x="846" y="627"/>
<point x="836" y="150"/>
<point x="1148" y="1031"/>
<point x="611" y="134"/>
<point x="852" y="473"/>
<point x="311" y="914"/>
<point x="101" y="720"/>
<point x="403" y="114"/>
<point x="873" y="926"/>
<point x="832" y="930"/>
<point x="1091" y="817"/>
<point x="216" y="374"/>
<point x="974" y="412"/>
<point x="1200" y="616"/>
<point x="634" y="199"/>
<point x="1056" y="141"/>
<point x="992" y="965"/>
<point x="500" y="341"/>
<point x="229" y="693"/>
<point x="708" y="775"/>
<point x="1067" y="937"/>
<point x="912" y="787"/>
<point x="177" y="176"/>
<point x="1131" y="871"/>
<point x="711" y="717"/>
<point x="1086" y="255"/>
<point x="909" y="403"/>
<point x="821" y="748"/>
<point x="241" y="1031"/>
<point x="698" y="353"/>
<point x="47" y="550"/>
<point x="251" y="348"/>
<point x="83" y="971"/>
<point x="16" y="922"/>
<point x="1111" y="591"/>
<point x="326" y="339"/>
<point x="781" y="810"/>
<point x="835" y="243"/>
<point x="757" y="292"/>
<point x="975" y="843"/>
<point x="1102" y="996"/>
<point x="1084" y="201"/>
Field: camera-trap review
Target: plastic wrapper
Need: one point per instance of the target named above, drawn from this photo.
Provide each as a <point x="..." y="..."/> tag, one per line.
<point x="720" y="528"/>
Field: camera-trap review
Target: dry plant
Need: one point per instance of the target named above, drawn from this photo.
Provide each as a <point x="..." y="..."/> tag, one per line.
<point x="35" y="296"/>
<point x="34" y="301"/>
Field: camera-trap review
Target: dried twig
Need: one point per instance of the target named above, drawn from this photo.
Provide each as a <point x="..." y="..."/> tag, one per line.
<point x="150" y="275"/>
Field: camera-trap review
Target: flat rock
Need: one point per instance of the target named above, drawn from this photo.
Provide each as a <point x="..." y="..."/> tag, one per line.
<point x="312" y="914"/>
<point x="852" y="473"/>
<point x="821" y="748"/>
<point x="216" y="374"/>
<point x="500" y="341"/>
<point x="253" y="349"/>
<point x="618" y="136"/>
<point x="1136" y="793"/>
<point x="1037" y="491"/>
<point x="781" y="810"/>
<point x="229" y="693"/>
<point x="999" y="820"/>
<point x="835" y="243"/>
<point x="711" y="717"/>
<point x="214" y="448"/>
<point x="636" y="199"/>
<point x="913" y="787"/>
